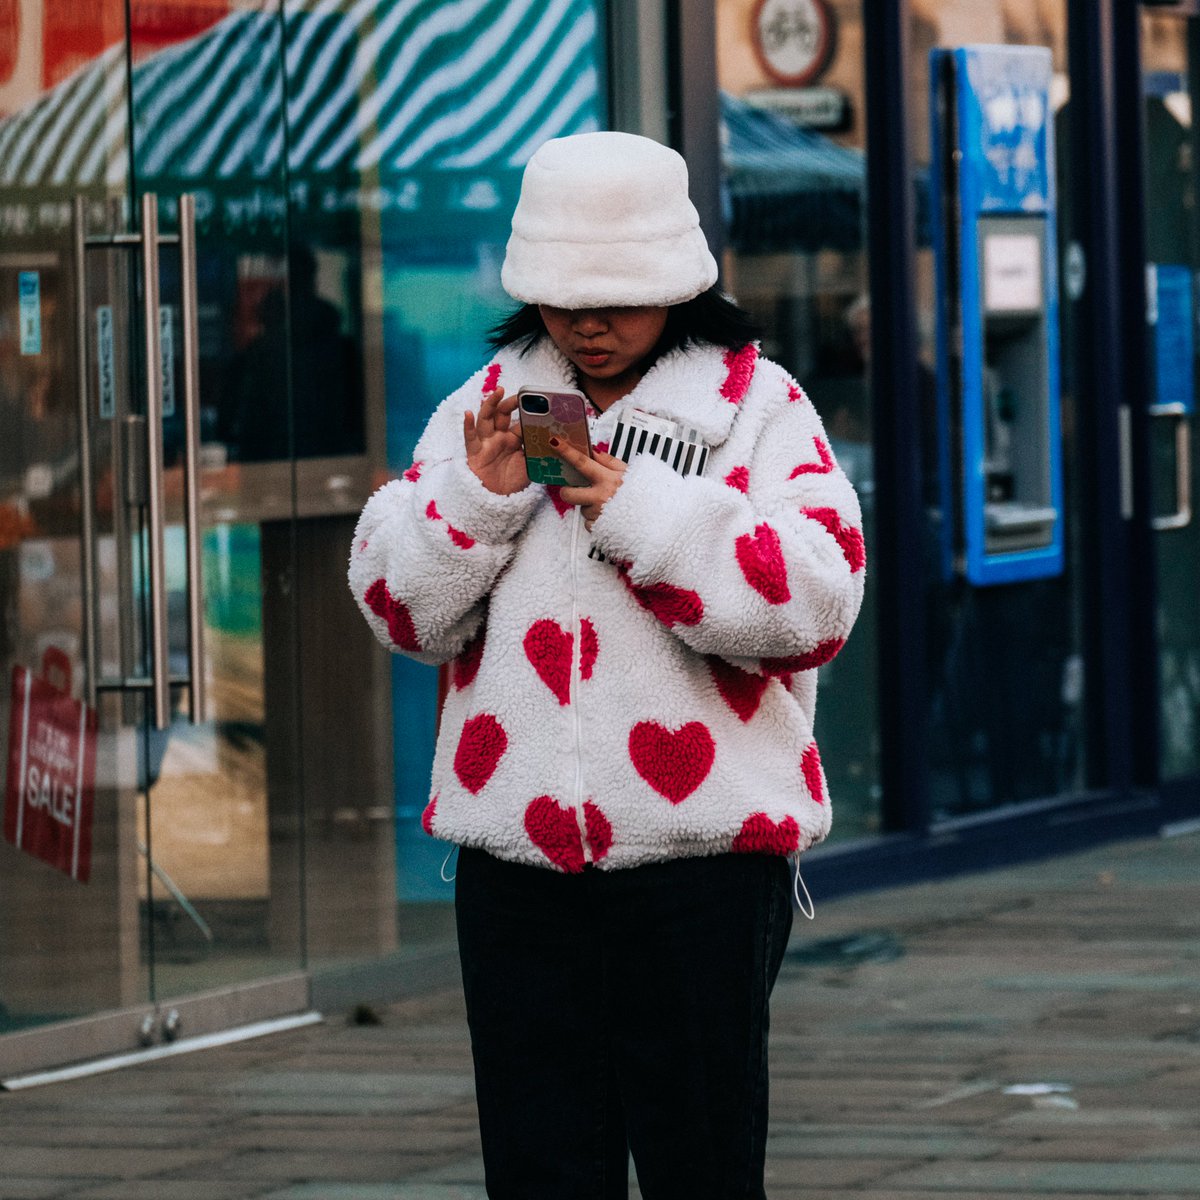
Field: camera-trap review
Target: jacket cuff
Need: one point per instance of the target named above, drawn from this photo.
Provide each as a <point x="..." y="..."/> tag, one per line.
<point x="635" y="524"/>
<point x="481" y="514"/>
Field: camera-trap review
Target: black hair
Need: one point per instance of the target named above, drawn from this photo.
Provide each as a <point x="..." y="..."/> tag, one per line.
<point x="709" y="317"/>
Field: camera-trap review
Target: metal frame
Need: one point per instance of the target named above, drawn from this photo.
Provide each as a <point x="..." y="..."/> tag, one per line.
<point x="898" y="556"/>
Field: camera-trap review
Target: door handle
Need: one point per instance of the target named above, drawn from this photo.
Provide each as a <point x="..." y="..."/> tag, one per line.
<point x="87" y="518"/>
<point x="1182" y="516"/>
<point x="191" y="454"/>
<point x="159" y="681"/>
<point x="160" y="692"/>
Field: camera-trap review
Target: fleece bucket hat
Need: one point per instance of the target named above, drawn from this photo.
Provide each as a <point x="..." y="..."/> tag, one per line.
<point x="604" y="221"/>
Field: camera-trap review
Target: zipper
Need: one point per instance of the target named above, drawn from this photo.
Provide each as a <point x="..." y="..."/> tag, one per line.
<point x="573" y="692"/>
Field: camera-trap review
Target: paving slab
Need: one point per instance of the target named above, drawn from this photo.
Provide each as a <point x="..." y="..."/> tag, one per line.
<point x="900" y="1018"/>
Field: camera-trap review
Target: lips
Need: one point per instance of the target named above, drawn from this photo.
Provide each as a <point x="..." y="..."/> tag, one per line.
<point x="594" y="358"/>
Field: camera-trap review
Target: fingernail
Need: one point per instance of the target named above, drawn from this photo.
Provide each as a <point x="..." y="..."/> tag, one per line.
<point x="554" y="441"/>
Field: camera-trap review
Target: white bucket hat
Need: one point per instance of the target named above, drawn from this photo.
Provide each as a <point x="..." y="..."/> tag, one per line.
<point x="604" y="221"/>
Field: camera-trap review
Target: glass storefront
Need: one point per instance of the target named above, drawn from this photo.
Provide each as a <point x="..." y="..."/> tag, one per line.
<point x="260" y="766"/>
<point x="1171" y="84"/>
<point x="1005" y="661"/>
<point x="214" y="775"/>
<point x="793" y="152"/>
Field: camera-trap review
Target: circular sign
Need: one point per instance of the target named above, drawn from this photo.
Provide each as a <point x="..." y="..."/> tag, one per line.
<point x="793" y="39"/>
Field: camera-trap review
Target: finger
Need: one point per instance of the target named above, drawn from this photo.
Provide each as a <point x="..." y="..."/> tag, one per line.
<point x="469" y="435"/>
<point x="608" y="460"/>
<point x="583" y="463"/>
<point x="578" y="495"/>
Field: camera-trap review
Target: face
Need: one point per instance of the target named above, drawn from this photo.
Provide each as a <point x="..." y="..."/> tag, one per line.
<point x="607" y="345"/>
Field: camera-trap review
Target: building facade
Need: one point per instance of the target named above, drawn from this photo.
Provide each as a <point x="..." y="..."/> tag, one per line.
<point x="246" y="247"/>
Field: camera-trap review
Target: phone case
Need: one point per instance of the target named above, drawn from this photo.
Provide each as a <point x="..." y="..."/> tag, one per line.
<point x="567" y="419"/>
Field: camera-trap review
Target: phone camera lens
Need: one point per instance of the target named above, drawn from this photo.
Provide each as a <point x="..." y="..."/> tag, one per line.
<point x="538" y="405"/>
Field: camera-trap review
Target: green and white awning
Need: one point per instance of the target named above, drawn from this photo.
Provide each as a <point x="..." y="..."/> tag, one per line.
<point x="373" y="87"/>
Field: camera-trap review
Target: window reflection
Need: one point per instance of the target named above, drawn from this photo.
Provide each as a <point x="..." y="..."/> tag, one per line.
<point x="793" y="153"/>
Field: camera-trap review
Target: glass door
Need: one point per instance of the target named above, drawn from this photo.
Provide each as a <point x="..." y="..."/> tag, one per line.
<point x="1171" y="91"/>
<point x="221" y="892"/>
<point x="73" y="528"/>
<point x="146" y="550"/>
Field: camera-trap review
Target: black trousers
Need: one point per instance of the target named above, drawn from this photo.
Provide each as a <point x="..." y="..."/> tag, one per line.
<point x="622" y="1011"/>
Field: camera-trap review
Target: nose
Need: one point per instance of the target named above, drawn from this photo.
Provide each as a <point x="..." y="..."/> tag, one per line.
<point x="589" y="322"/>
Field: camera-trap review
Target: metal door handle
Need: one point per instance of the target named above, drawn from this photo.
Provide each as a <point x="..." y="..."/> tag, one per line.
<point x="87" y="529"/>
<point x="191" y="454"/>
<point x="1182" y="516"/>
<point x="159" y="681"/>
<point x="160" y="692"/>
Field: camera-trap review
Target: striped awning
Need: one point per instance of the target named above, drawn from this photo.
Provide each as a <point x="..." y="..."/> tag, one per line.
<point x="374" y="87"/>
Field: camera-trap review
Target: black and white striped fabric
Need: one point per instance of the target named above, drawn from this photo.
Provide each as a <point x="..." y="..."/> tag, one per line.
<point x="637" y="432"/>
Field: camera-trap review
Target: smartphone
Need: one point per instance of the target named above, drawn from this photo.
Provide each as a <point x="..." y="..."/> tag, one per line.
<point x="557" y="412"/>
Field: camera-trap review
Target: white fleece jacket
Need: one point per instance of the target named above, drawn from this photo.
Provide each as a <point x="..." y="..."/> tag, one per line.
<point x="656" y="705"/>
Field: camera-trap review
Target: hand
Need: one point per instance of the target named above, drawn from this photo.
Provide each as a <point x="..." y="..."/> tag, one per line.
<point x="494" y="451"/>
<point x="603" y="473"/>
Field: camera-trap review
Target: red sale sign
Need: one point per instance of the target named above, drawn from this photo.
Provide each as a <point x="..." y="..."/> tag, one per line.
<point x="51" y="769"/>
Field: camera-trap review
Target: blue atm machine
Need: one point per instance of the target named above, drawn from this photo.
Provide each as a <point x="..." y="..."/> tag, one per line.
<point x="993" y="205"/>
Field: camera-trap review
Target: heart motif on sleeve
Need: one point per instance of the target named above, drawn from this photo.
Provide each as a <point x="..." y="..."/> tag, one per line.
<point x="480" y="747"/>
<point x="399" y="620"/>
<point x="760" y="835"/>
<point x="761" y="558"/>
<point x="670" y="604"/>
<point x="466" y="665"/>
<point x="673" y="762"/>
<point x="741" y="690"/>
<point x="814" y="777"/>
<point x="428" y="815"/>
<point x="818" y="656"/>
<point x="849" y="539"/>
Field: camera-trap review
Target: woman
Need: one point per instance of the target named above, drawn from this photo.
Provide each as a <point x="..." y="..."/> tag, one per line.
<point x="626" y="755"/>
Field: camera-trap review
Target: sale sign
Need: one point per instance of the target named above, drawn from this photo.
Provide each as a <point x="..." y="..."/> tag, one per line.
<point x="51" y="770"/>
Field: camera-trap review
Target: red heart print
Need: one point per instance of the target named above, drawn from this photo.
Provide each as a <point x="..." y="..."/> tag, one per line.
<point x="480" y="748"/>
<point x="739" y="479"/>
<point x="466" y="665"/>
<point x="673" y="762"/>
<point x="760" y="835"/>
<point x="670" y="604"/>
<point x="761" y="560"/>
<point x="492" y="379"/>
<point x="824" y="467"/>
<point x="553" y="829"/>
<point x="414" y="472"/>
<point x="818" y="656"/>
<point x="794" y="393"/>
<point x="741" y="690"/>
<point x="599" y="830"/>
<point x="814" y="777"/>
<point x="554" y="491"/>
<point x="428" y="815"/>
<point x="399" y="620"/>
<point x="740" y="365"/>
<point x="548" y="648"/>
<point x="847" y="537"/>
<point x="589" y="648"/>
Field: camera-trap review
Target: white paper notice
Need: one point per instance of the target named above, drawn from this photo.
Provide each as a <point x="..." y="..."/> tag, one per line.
<point x="1012" y="272"/>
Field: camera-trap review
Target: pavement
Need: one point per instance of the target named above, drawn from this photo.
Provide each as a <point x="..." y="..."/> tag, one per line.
<point x="1026" y="1032"/>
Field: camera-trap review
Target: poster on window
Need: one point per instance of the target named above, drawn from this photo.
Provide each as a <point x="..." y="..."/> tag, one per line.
<point x="51" y="780"/>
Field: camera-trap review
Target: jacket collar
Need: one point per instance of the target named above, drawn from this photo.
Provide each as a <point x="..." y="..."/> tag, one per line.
<point x="701" y="387"/>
